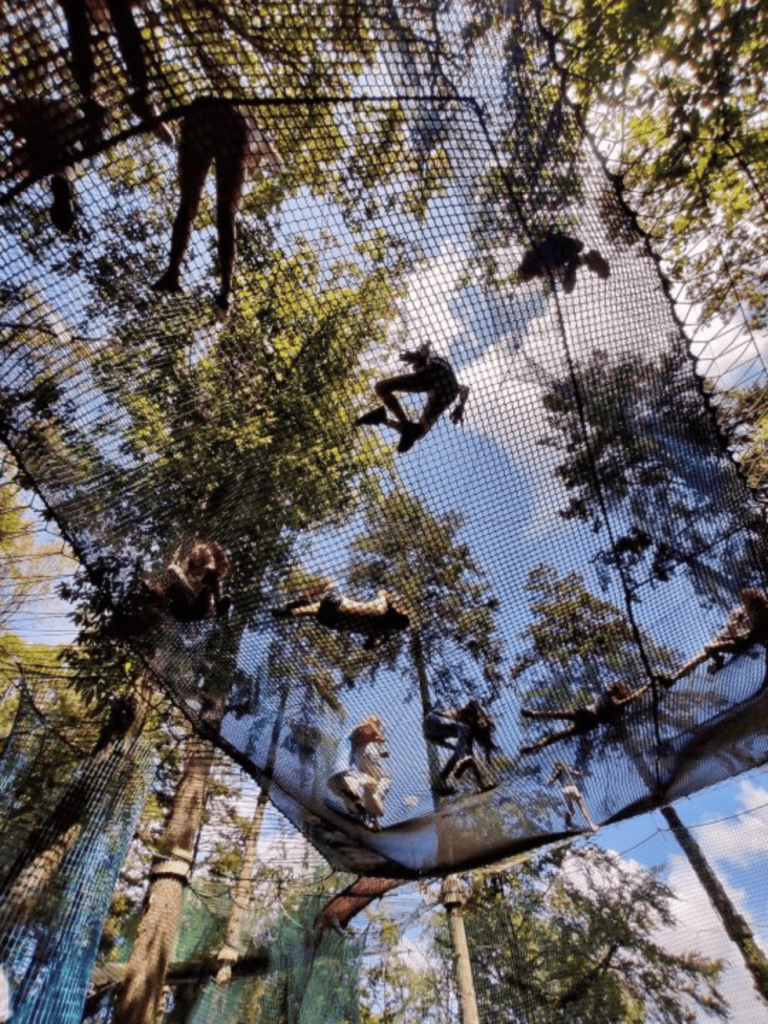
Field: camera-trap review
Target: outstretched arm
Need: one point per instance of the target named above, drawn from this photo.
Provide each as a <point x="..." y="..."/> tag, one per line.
<point x="689" y="666"/>
<point x="178" y="571"/>
<point x="457" y="416"/>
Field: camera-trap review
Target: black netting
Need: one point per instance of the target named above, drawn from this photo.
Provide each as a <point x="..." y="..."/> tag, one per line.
<point x="506" y="608"/>
<point x="399" y="211"/>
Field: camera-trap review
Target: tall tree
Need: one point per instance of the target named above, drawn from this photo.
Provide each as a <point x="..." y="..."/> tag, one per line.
<point x="211" y="418"/>
<point x="736" y="927"/>
<point x="570" y="936"/>
<point x="638" y="456"/>
<point x="676" y="88"/>
<point x="573" y="640"/>
<point x="421" y="557"/>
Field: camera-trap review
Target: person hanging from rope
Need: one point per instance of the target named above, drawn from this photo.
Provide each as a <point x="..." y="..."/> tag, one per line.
<point x="325" y="603"/>
<point x="50" y="138"/>
<point x="193" y="588"/>
<point x="109" y="17"/>
<point x="432" y="375"/>
<point x="747" y="625"/>
<point x="560" y="254"/>
<point x="458" y="729"/>
<point x="215" y="132"/>
<point x="606" y="710"/>
<point x="363" y="785"/>
<point x="567" y="777"/>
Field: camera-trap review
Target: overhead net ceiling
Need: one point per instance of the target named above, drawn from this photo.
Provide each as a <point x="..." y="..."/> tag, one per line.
<point x="418" y="177"/>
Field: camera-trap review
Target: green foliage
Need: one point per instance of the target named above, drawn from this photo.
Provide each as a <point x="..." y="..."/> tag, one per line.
<point x="573" y="939"/>
<point x="420" y="557"/>
<point x="576" y="640"/>
<point x="402" y="983"/>
<point x="745" y="416"/>
<point x="636" y="443"/>
<point x="681" y="85"/>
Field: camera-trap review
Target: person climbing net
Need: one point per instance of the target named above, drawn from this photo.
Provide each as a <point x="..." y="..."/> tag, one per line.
<point x="747" y="625"/>
<point x="193" y="586"/>
<point x="432" y="375"/>
<point x="606" y="710"/>
<point x="363" y="784"/>
<point x="215" y="132"/>
<point x="561" y="255"/>
<point x="568" y="777"/>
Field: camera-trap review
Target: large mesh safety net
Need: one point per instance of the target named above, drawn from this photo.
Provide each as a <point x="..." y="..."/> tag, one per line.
<point x="65" y="841"/>
<point x="566" y="549"/>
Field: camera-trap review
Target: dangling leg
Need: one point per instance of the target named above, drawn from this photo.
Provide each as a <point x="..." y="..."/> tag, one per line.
<point x="231" y="178"/>
<point x="62" y="208"/>
<point x="195" y="158"/>
<point x="81" y="64"/>
<point x="385" y="392"/>
<point x="410" y="383"/>
<point x="551" y="737"/>
<point x="548" y="715"/>
<point x="131" y="47"/>
<point x="300" y="608"/>
<point x="470" y="762"/>
<point x="585" y="812"/>
<point x="569" y="806"/>
<point x="460" y="752"/>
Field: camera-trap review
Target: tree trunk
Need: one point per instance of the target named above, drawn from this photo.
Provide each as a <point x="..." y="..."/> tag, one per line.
<point x="419" y="662"/>
<point x="453" y="899"/>
<point x="140" y="996"/>
<point x="231" y="950"/>
<point x="735" y="926"/>
<point x="341" y="908"/>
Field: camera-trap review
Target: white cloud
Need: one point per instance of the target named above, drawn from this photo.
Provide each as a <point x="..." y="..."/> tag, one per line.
<point x="739" y="842"/>
<point x="698" y="927"/>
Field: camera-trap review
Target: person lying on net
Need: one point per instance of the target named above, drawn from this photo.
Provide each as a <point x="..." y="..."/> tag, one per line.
<point x="560" y="255"/>
<point x="50" y="138"/>
<point x="608" y="708"/>
<point x="747" y="625"/>
<point x="568" y="778"/>
<point x="327" y="605"/>
<point x="433" y="376"/>
<point x="193" y="588"/>
<point x="215" y="132"/>
<point x="363" y="785"/>
<point x="458" y="729"/>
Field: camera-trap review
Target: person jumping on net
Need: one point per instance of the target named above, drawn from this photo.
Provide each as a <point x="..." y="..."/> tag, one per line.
<point x="432" y="375"/>
<point x="325" y="603"/>
<point x="458" y="729"/>
<point x="215" y="132"/>
<point x="568" y="777"/>
<point x="363" y="784"/>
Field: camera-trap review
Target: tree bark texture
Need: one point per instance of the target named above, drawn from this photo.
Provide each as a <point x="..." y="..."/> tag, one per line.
<point x="735" y="925"/>
<point x="342" y="907"/>
<point x="231" y="951"/>
<point x="140" y="996"/>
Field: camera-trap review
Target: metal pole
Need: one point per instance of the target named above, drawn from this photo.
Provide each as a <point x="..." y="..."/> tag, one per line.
<point x="453" y="899"/>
